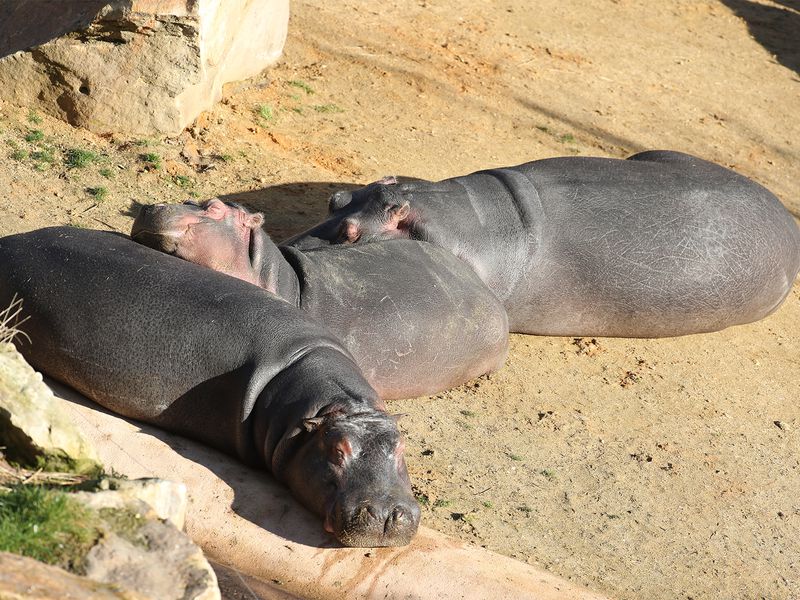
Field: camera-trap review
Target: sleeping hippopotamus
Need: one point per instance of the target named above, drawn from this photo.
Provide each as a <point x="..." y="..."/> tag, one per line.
<point x="204" y="355"/>
<point x="416" y="319"/>
<point x="660" y="244"/>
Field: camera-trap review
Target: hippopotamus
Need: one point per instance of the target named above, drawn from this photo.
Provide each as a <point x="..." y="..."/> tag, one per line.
<point x="213" y="358"/>
<point x="415" y="319"/>
<point x="660" y="244"/>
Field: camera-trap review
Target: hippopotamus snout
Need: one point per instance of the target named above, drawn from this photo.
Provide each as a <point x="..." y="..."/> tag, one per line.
<point x="351" y="469"/>
<point x="388" y="520"/>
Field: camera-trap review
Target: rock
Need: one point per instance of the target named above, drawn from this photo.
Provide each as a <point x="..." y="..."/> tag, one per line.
<point x="162" y="499"/>
<point x="137" y="66"/>
<point x="156" y="560"/>
<point x="33" y="427"/>
<point x="22" y="577"/>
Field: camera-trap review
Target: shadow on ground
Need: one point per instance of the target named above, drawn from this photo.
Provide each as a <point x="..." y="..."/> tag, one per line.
<point x="776" y="29"/>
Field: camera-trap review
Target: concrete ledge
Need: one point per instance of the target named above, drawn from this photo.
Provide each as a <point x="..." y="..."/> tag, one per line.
<point x="243" y="519"/>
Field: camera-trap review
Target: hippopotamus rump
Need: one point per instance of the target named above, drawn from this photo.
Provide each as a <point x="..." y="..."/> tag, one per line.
<point x="416" y="319"/>
<point x="213" y="358"/>
<point x="660" y="244"/>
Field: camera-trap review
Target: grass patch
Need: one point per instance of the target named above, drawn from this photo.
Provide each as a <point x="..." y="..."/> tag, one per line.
<point x="548" y="473"/>
<point x="124" y="523"/>
<point x="34" y="135"/>
<point x="422" y="499"/>
<point x="441" y="503"/>
<point x="265" y="112"/>
<point x="152" y="159"/>
<point x="76" y="158"/>
<point x="567" y="138"/>
<point x="467" y="413"/>
<point x="19" y="154"/>
<point x="99" y="193"/>
<point x="46" y="525"/>
<point x="327" y="108"/>
<point x="302" y="85"/>
<point x="182" y="181"/>
<point x="487" y="504"/>
<point x="34" y="118"/>
<point x="226" y="157"/>
<point x="107" y="173"/>
<point x="516" y="457"/>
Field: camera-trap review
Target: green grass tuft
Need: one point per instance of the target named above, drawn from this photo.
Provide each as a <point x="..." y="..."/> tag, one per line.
<point x="34" y="135"/>
<point x="265" y="112"/>
<point x="302" y="85"/>
<point x="100" y="193"/>
<point x="152" y="159"/>
<point x="34" y="118"/>
<point x="46" y="525"/>
<point x="327" y="108"/>
<point x="107" y="173"/>
<point x="76" y="158"/>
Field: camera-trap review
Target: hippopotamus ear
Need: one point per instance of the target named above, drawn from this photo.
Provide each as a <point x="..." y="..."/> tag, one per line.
<point x="397" y="213"/>
<point x="313" y="423"/>
<point x="254" y="220"/>
<point x="388" y="180"/>
<point x="339" y="200"/>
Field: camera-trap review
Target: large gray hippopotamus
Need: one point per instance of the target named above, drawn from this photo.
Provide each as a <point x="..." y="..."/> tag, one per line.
<point x="204" y="355"/>
<point x="660" y="244"/>
<point x="416" y="319"/>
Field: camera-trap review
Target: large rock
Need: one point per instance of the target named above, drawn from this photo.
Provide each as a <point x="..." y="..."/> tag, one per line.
<point x="33" y="427"/>
<point x="156" y="560"/>
<point x="162" y="499"/>
<point x="22" y="577"/>
<point x="136" y="66"/>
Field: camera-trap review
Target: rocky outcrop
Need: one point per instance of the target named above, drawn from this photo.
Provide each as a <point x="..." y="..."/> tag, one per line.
<point x="22" y="577"/>
<point x="153" y="558"/>
<point x="135" y="66"/>
<point x="33" y="428"/>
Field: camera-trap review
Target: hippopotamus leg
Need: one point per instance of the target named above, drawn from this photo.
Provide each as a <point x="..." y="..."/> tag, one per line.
<point x="387" y="302"/>
<point x="216" y="359"/>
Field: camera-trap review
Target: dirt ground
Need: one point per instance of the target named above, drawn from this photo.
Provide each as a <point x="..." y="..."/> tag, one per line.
<point x="640" y="468"/>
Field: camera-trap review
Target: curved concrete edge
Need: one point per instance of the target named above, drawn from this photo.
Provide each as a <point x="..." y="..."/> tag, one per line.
<point x="243" y="519"/>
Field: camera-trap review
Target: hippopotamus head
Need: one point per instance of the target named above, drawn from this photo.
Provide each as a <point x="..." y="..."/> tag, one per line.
<point x="222" y="236"/>
<point x="351" y="470"/>
<point x="381" y="210"/>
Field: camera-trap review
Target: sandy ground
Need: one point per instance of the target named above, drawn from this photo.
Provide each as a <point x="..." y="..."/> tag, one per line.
<point x="640" y="468"/>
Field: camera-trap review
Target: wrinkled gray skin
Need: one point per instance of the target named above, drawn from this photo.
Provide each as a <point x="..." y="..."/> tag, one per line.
<point x="661" y="244"/>
<point x="192" y="351"/>
<point x="416" y="319"/>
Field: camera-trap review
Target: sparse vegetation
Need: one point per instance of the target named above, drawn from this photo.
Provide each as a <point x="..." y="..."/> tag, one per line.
<point x="76" y="158"/>
<point x="302" y="85"/>
<point x="34" y="135"/>
<point x="19" y="154"/>
<point x="327" y="108"/>
<point x="99" y="193"/>
<point x="441" y="503"/>
<point x="152" y="160"/>
<point x="548" y="473"/>
<point x="516" y="457"/>
<point x="182" y="181"/>
<point x="34" y="118"/>
<point x="567" y="138"/>
<point x="107" y="173"/>
<point x="226" y="157"/>
<point x="467" y="413"/>
<point x="9" y="321"/>
<point x="265" y="112"/>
